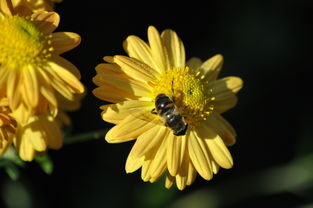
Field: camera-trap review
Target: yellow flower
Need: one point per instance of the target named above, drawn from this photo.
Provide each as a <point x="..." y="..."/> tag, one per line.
<point x="32" y="71"/>
<point x="26" y="7"/>
<point x="159" y="67"/>
<point x="39" y="133"/>
<point x="7" y="126"/>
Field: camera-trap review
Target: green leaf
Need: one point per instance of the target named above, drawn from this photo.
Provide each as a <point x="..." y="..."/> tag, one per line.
<point x="12" y="171"/>
<point x="45" y="163"/>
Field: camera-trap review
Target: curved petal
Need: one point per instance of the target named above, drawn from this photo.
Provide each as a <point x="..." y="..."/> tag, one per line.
<point x="136" y="69"/>
<point x="145" y="170"/>
<point x="194" y="63"/>
<point x="149" y="140"/>
<point x="157" y="50"/>
<point x="124" y="83"/>
<point x="63" y="63"/>
<point x="158" y="165"/>
<point x="6" y="7"/>
<point x="115" y="113"/>
<point x="138" y="49"/>
<point x="212" y="67"/>
<point x="130" y="128"/>
<point x="133" y="163"/>
<point x="113" y="94"/>
<point x="47" y="22"/>
<point x="224" y="129"/>
<point x="64" y="41"/>
<point x="64" y="72"/>
<point x="199" y="155"/>
<point x="31" y="86"/>
<point x="192" y="174"/>
<point x="224" y="91"/>
<point x="169" y="181"/>
<point x="175" y="151"/>
<point x="174" y="48"/>
<point x="216" y="146"/>
<point x="182" y="176"/>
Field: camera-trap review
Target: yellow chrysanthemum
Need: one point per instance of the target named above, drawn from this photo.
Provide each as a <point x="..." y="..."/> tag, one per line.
<point x="159" y="68"/>
<point x="7" y="126"/>
<point x="26" y="7"/>
<point x="31" y="70"/>
<point x="37" y="135"/>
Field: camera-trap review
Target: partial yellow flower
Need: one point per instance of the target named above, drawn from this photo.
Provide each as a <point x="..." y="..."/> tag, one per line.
<point x="39" y="133"/>
<point x="27" y="7"/>
<point x="158" y="67"/>
<point x="7" y="126"/>
<point x="32" y="71"/>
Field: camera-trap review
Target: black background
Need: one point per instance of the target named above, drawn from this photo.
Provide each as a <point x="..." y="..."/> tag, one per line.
<point x="268" y="45"/>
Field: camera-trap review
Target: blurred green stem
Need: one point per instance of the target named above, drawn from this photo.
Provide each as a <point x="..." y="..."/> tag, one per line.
<point x="85" y="136"/>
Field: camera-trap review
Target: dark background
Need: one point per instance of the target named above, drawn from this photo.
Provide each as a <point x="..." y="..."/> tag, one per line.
<point x="268" y="45"/>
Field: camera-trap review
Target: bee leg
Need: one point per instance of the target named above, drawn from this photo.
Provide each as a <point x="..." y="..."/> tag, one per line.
<point x="153" y="111"/>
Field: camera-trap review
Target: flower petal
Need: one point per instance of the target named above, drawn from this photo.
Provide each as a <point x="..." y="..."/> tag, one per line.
<point x="130" y="128"/>
<point x="224" y="129"/>
<point x="212" y="67"/>
<point x="133" y="163"/>
<point x="149" y="140"/>
<point x="136" y="69"/>
<point x="64" y="72"/>
<point x="199" y="155"/>
<point x="174" y="47"/>
<point x="216" y="146"/>
<point x="138" y="49"/>
<point x="145" y="170"/>
<point x="158" y="165"/>
<point x="31" y="86"/>
<point x="157" y="50"/>
<point x="169" y="181"/>
<point x="224" y="92"/>
<point x="6" y="7"/>
<point x="194" y="63"/>
<point x="124" y="83"/>
<point x="192" y="174"/>
<point x="64" y="41"/>
<point x="47" y="22"/>
<point x="182" y="177"/>
<point x="175" y="152"/>
<point x="115" y="113"/>
<point x="113" y="94"/>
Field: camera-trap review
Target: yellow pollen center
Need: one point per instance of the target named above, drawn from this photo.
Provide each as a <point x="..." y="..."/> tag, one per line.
<point x="189" y="91"/>
<point x="22" y="43"/>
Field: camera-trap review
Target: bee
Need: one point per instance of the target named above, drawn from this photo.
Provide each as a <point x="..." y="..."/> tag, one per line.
<point x="169" y="114"/>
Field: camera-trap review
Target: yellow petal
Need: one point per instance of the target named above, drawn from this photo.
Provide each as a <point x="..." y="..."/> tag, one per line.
<point x="136" y="69"/>
<point x="216" y="146"/>
<point x="224" y="92"/>
<point x="61" y="62"/>
<point x="47" y="22"/>
<point x="174" y="47"/>
<point x="24" y="147"/>
<point x="157" y="50"/>
<point x="64" y="41"/>
<point x="149" y="140"/>
<point x="6" y="7"/>
<point x="145" y="176"/>
<point x="219" y="125"/>
<point x="129" y="129"/>
<point x="215" y="167"/>
<point x="133" y="164"/>
<point x="158" y="165"/>
<point x="194" y="63"/>
<point x="212" y="67"/>
<point x="52" y="132"/>
<point x="175" y="152"/>
<point x="169" y="181"/>
<point x="13" y="92"/>
<point x="199" y="155"/>
<point x="112" y="94"/>
<point x="192" y="174"/>
<point x="31" y="86"/>
<point x="64" y="73"/>
<point x="138" y="49"/>
<point x="115" y="113"/>
<point x="182" y="177"/>
<point x="127" y="84"/>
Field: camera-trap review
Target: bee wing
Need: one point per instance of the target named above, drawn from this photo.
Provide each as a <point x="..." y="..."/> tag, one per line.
<point x="146" y="115"/>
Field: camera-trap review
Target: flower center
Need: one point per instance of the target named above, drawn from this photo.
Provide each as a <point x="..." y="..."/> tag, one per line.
<point x="189" y="91"/>
<point x="22" y="43"/>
